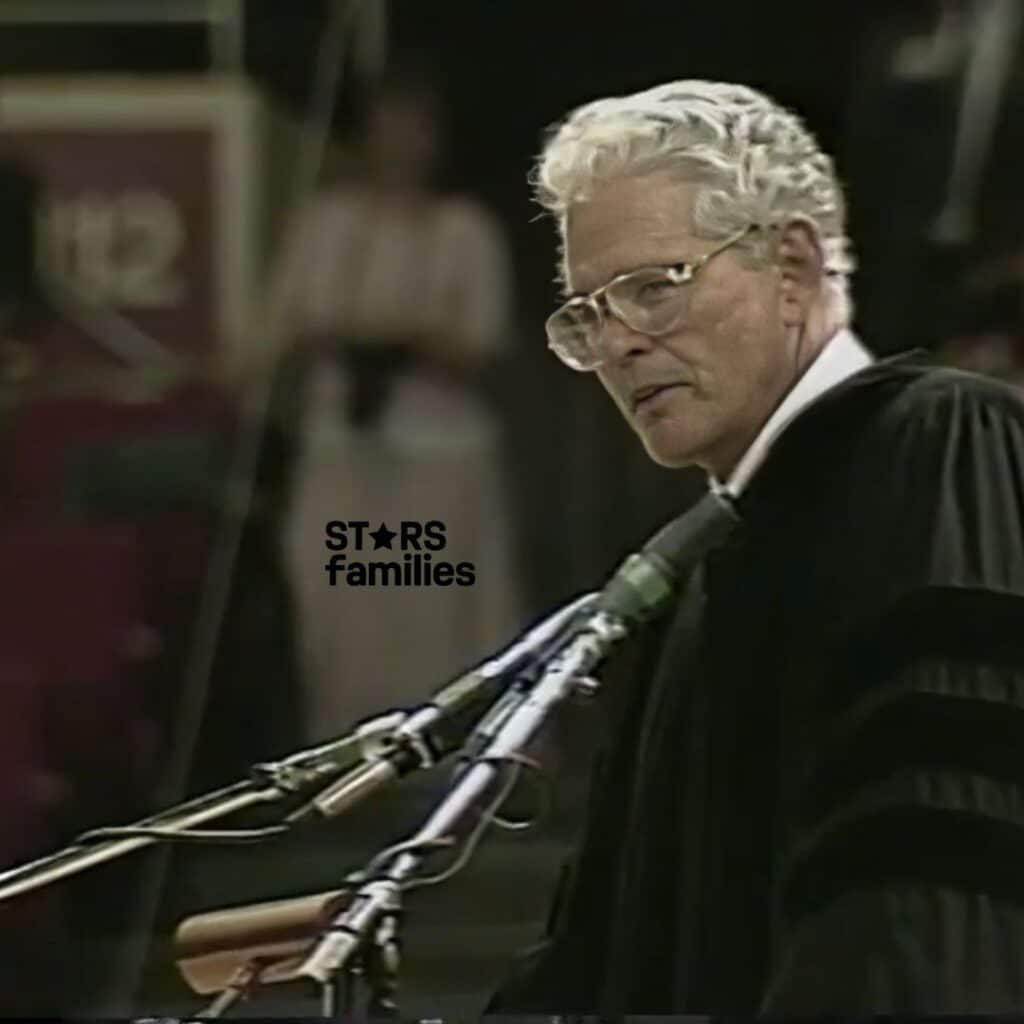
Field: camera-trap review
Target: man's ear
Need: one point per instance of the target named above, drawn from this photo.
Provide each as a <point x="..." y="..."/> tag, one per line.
<point x="801" y="261"/>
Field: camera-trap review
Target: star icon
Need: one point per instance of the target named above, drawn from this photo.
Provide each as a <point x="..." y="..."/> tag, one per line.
<point x="382" y="537"/>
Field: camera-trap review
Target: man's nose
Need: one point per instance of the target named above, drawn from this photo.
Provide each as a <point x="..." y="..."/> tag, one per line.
<point x="620" y="342"/>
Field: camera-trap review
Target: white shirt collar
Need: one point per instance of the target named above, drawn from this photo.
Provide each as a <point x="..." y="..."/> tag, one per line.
<point x="842" y="357"/>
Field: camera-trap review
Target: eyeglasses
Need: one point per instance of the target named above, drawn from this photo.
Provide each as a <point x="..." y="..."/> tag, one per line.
<point x="652" y="300"/>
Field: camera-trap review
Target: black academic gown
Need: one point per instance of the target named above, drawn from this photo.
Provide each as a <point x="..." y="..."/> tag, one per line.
<point x="811" y="799"/>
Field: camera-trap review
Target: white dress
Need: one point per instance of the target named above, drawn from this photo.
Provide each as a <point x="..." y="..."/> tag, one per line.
<point x="354" y="270"/>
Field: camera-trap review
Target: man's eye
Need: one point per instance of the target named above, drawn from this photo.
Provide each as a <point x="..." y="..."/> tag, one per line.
<point x="656" y="289"/>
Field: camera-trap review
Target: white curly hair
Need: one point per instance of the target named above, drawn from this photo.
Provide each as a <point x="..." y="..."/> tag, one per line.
<point x="755" y="162"/>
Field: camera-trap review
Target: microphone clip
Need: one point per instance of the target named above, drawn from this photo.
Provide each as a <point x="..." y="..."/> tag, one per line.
<point x="372" y="739"/>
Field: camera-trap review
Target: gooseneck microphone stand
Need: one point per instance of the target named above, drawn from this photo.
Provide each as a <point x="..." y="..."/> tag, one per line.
<point x="382" y="748"/>
<point x="370" y="922"/>
<point x="362" y="938"/>
<point x="269" y="783"/>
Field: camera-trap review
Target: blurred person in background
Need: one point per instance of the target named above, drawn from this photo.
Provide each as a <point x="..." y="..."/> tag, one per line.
<point x="397" y="298"/>
<point x="806" y="800"/>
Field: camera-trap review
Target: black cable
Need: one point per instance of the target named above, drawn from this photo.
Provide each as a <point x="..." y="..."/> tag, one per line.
<point x="194" y="835"/>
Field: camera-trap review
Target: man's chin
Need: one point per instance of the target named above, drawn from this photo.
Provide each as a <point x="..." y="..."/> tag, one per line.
<point x="671" y="453"/>
<point x="670" y="438"/>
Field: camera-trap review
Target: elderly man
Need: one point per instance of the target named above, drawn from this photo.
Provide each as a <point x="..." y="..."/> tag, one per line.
<point x="810" y="799"/>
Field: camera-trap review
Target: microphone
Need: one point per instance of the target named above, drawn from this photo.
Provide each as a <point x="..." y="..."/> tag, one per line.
<point x="638" y="590"/>
<point x="426" y="734"/>
<point x="647" y="579"/>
